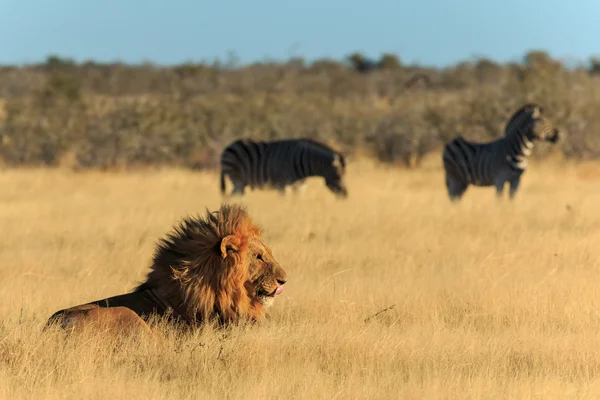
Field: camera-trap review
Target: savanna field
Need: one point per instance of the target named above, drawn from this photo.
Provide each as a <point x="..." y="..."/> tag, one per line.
<point x="393" y="293"/>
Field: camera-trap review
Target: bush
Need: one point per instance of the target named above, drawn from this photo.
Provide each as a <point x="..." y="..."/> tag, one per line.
<point x="107" y="115"/>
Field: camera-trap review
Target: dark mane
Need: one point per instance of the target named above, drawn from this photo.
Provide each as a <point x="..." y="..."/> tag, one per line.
<point x="520" y="111"/>
<point x="321" y="145"/>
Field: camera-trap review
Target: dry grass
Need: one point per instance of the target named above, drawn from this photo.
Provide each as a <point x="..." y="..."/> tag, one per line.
<point x="488" y="300"/>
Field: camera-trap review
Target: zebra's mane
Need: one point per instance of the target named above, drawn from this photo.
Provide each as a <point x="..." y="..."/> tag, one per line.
<point x="327" y="148"/>
<point x="322" y="145"/>
<point x="319" y="144"/>
<point x="519" y="112"/>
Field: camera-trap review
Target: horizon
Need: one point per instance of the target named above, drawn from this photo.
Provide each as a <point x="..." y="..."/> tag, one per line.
<point x="232" y="61"/>
<point x="430" y="33"/>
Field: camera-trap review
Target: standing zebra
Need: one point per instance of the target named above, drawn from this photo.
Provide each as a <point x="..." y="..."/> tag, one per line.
<point x="500" y="161"/>
<point x="281" y="163"/>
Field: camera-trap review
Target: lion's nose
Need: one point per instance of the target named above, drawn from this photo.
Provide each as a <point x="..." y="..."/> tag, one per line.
<point x="281" y="281"/>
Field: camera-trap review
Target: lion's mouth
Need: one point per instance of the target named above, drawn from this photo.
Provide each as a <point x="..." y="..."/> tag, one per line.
<point x="277" y="291"/>
<point x="274" y="293"/>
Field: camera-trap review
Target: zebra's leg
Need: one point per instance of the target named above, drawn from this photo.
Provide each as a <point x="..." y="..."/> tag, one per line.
<point x="280" y="187"/>
<point x="500" y="188"/>
<point x="238" y="188"/>
<point x="514" y="185"/>
<point x="456" y="188"/>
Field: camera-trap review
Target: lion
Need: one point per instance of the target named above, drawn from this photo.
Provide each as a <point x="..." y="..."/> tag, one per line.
<point x="215" y="268"/>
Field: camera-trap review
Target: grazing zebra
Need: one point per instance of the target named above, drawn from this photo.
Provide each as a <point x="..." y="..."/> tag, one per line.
<point x="281" y="163"/>
<point x="500" y="161"/>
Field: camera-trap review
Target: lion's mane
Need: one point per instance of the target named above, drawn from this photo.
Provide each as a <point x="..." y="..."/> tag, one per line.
<point x="202" y="275"/>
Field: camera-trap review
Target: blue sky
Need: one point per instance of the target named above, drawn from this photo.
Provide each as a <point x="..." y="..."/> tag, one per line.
<point x="430" y="32"/>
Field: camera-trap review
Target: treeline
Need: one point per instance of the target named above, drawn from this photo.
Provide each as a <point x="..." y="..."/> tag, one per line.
<point x="85" y="115"/>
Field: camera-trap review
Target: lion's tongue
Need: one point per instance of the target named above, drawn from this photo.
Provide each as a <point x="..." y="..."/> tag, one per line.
<point x="278" y="290"/>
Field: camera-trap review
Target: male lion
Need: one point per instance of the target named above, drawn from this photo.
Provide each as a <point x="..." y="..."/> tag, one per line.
<point x="216" y="267"/>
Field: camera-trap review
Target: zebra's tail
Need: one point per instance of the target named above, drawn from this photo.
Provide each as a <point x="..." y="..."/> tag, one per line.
<point x="448" y="156"/>
<point x="222" y="182"/>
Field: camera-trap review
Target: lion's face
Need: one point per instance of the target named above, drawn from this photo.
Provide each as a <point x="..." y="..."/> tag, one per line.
<point x="265" y="275"/>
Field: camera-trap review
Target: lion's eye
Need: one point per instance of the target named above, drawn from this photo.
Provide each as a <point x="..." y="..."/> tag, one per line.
<point x="259" y="256"/>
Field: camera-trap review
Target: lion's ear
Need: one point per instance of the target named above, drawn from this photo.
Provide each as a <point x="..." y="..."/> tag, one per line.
<point x="229" y="243"/>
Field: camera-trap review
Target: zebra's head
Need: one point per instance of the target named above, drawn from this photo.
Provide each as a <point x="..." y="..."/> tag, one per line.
<point x="334" y="177"/>
<point x="539" y="126"/>
<point x="542" y="128"/>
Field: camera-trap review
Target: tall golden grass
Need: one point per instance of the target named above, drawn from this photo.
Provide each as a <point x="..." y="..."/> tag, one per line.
<point x="394" y="293"/>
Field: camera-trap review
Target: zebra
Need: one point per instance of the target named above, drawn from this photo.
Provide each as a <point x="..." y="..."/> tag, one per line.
<point x="500" y="161"/>
<point x="281" y="163"/>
